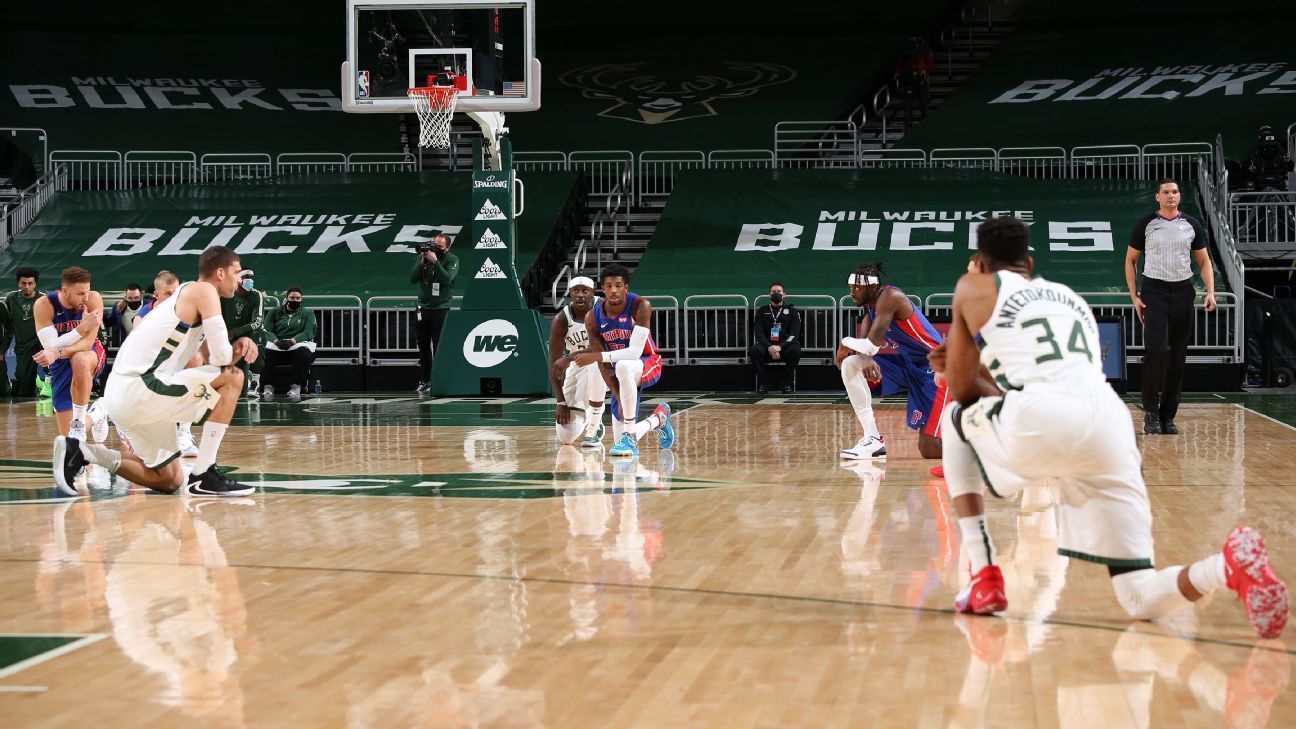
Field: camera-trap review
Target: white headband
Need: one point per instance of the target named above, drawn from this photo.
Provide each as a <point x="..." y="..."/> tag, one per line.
<point x="580" y="281"/>
<point x="246" y="272"/>
<point x="859" y="279"/>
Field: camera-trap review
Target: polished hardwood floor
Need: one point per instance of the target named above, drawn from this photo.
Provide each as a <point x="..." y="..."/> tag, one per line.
<point x="441" y="563"/>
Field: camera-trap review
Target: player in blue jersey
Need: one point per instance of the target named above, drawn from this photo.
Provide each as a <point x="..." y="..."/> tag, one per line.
<point x="67" y="324"/>
<point x="620" y="337"/>
<point x="893" y="323"/>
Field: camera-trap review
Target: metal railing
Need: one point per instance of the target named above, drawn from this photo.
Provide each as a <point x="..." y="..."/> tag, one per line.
<point x="539" y="161"/>
<point x="148" y="168"/>
<point x="1226" y="245"/>
<point x="1039" y="162"/>
<point x="339" y="328"/>
<point x="381" y="162"/>
<point x="90" y="169"/>
<point x="965" y="158"/>
<point x="390" y="335"/>
<point x="657" y="171"/>
<point x="1120" y="161"/>
<point x="716" y="327"/>
<point x="816" y="144"/>
<point x="609" y="171"/>
<point x="892" y="158"/>
<point x="300" y="163"/>
<point x="651" y="175"/>
<point x="1263" y="221"/>
<point x="1178" y="161"/>
<point x="666" y="325"/>
<point x="739" y="159"/>
<point x="235" y="167"/>
<point x="16" y="216"/>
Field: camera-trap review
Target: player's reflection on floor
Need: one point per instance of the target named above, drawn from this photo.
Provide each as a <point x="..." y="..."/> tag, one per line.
<point x="177" y="610"/>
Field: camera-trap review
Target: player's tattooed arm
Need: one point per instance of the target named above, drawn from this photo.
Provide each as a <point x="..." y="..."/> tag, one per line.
<point x="558" y="366"/>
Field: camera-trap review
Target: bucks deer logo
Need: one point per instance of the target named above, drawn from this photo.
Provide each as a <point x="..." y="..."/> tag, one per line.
<point x="648" y="98"/>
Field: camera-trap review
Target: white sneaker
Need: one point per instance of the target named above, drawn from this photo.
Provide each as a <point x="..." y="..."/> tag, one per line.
<point x="97" y="417"/>
<point x="867" y="448"/>
<point x="593" y="437"/>
<point x="185" y="437"/>
<point x="77" y="430"/>
<point x="294" y="393"/>
<point x="267" y="393"/>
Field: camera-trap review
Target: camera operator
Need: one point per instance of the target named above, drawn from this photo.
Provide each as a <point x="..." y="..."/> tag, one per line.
<point x="1267" y="163"/>
<point x="434" y="272"/>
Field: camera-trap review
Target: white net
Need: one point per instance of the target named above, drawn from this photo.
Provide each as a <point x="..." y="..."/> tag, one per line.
<point x="435" y="106"/>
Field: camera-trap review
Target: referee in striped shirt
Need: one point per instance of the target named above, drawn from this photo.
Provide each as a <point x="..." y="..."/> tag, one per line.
<point x="1171" y="240"/>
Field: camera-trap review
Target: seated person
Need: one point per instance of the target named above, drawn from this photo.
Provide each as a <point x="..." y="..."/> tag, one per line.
<point x="776" y="337"/>
<point x="290" y="340"/>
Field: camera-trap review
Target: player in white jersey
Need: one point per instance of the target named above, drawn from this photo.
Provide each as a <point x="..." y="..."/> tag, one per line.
<point x="151" y="389"/>
<point x="1033" y="404"/>
<point x="580" y="390"/>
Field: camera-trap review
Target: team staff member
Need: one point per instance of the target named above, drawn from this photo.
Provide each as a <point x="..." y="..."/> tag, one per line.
<point x="290" y="330"/>
<point x="776" y="337"/>
<point x="1171" y="240"/>
<point x="243" y="314"/>
<point x="20" y="322"/>
<point x="434" y="272"/>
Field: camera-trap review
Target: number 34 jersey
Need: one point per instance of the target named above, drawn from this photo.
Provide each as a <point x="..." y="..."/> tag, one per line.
<point x="1040" y="332"/>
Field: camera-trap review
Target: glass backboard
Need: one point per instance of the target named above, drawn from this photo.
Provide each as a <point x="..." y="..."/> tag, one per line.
<point x="486" y="48"/>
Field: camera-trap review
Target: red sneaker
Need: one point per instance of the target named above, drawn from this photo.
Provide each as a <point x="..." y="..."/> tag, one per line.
<point x="1247" y="572"/>
<point x="937" y="471"/>
<point x="984" y="594"/>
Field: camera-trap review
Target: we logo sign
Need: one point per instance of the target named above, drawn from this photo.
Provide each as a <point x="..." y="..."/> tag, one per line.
<point x="490" y="343"/>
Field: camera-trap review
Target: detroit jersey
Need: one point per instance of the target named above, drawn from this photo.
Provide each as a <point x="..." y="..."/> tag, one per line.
<point x="912" y="338"/>
<point x="64" y="321"/>
<point x="616" y="330"/>
<point x="1040" y="332"/>
<point x="577" y="337"/>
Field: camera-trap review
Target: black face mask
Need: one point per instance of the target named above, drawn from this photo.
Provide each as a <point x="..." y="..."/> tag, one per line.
<point x="292" y="305"/>
<point x="776" y="298"/>
<point x="132" y="305"/>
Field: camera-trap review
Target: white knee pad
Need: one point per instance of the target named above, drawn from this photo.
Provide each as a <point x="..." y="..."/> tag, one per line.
<point x="571" y="433"/>
<point x="1150" y="594"/>
<point x="631" y="369"/>
<point x="852" y="367"/>
<point x="595" y="387"/>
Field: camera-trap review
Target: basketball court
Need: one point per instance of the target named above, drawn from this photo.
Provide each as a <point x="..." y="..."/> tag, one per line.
<point x="442" y="563"/>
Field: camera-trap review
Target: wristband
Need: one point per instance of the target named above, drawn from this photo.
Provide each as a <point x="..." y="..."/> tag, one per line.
<point x="862" y="345"/>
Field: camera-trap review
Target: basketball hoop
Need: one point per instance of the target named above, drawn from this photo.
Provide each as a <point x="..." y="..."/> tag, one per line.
<point x="435" y="106"/>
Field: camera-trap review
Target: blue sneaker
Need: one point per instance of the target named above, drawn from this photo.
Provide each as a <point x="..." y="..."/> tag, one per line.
<point x="625" y="446"/>
<point x="665" y="433"/>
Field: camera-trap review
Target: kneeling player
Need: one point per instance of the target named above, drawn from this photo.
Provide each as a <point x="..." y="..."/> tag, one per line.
<point x="151" y="389"/>
<point x="1058" y="418"/>
<point x="892" y="320"/>
<point x="67" y="323"/>
<point x="579" y="390"/>
<point x="620" y="334"/>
